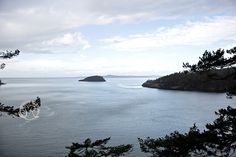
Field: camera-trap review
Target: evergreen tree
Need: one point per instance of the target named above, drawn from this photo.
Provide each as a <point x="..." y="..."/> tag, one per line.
<point x="213" y="60"/>
<point x="97" y="149"/>
<point x="10" y="109"/>
<point x="219" y="139"/>
<point x="7" y="55"/>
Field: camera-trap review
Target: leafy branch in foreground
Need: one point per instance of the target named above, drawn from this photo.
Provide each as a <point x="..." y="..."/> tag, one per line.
<point x="8" y="55"/>
<point x="10" y="110"/>
<point x="213" y="60"/>
<point x="219" y="139"/>
<point x="97" y="149"/>
<point x="30" y="106"/>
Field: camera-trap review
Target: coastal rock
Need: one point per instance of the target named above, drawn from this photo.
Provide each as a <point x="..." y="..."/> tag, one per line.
<point x="95" y="78"/>
<point x="222" y="80"/>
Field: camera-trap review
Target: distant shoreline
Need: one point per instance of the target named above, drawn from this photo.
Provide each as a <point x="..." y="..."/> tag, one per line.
<point x="106" y="76"/>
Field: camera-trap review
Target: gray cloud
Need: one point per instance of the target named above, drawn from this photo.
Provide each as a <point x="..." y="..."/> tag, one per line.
<point x="30" y="21"/>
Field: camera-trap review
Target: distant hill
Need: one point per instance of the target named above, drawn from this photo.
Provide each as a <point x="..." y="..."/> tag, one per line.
<point x="222" y="80"/>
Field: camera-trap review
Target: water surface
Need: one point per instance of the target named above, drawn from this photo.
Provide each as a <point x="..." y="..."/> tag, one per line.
<point x="119" y="108"/>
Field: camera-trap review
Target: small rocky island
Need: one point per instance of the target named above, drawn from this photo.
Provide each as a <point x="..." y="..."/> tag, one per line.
<point x="95" y="78"/>
<point x="221" y="80"/>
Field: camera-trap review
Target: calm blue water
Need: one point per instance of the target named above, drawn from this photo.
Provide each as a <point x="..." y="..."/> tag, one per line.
<point x="119" y="108"/>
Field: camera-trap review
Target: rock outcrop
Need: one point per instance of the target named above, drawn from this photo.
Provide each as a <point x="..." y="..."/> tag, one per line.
<point x="95" y="78"/>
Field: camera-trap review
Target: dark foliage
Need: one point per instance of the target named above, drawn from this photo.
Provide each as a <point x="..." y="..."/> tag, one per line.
<point x="223" y="133"/>
<point x="2" y="66"/>
<point x="97" y="149"/>
<point x="231" y="60"/>
<point x="213" y="60"/>
<point x="30" y="106"/>
<point x="10" y="110"/>
<point x="9" y="54"/>
<point x="219" y="139"/>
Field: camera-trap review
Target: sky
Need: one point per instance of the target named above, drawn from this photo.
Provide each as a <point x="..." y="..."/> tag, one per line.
<point x="73" y="38"/>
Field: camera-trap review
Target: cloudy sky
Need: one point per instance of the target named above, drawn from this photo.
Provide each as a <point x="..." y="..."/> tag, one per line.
<point x="120" y="37"/>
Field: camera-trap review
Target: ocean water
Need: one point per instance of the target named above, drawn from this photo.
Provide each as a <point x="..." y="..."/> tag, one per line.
<point x="120" y="108"/>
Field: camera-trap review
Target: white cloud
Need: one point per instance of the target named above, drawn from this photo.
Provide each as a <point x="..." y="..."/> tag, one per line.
<point x="126" y="18"/>
<point x="62" y="42"/>
<point x="192" y="33"/>
<point x="68" y="39"/>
